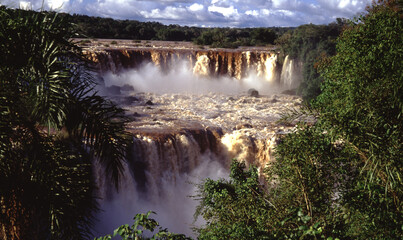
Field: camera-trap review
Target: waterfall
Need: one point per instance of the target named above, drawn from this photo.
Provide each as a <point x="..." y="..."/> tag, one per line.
<point x="191" y="116"/>
<point x="201" y="66"/>
<point x="157" y="175"/>
<point x="160" y="166"/>
<point x="291" y="74"/>
<point x="213" y="63"/>
<point x="270" y="66"/>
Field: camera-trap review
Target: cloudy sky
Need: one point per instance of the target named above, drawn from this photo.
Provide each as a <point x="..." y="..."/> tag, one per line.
<point x="221" y="13"/>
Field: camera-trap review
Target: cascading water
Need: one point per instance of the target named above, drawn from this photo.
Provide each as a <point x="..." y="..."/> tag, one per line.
<point x="231" y="63"/>
<point x="157" y="175"/>
<point x="290" y="73"/>
<point x="191" y="114"/>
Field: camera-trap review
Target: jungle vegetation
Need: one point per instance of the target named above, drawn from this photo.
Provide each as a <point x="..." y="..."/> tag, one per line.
<point x="53" y="127"/>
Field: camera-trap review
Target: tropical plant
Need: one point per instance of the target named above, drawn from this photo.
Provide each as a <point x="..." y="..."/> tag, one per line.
<point x="243" y="208"/>
<point x="143" y="223"/>
<point x="362" y="105"/>
<point x="52" y="126"/>
<point x="235" y="208"/>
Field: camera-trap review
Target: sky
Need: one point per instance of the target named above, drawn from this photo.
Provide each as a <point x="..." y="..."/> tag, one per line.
<point x="208" y="13"/>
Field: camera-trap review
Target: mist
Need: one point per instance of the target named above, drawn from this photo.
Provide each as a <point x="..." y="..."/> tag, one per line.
<point x="172" y="201"/>
<point x="181" y="79"/>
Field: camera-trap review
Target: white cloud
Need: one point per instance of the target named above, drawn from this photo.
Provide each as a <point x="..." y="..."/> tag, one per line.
<point x="225" y="11"/>
<point x="25" y="5"/>
<point x="265" y="11"/>
<point x="252" y="12"/>
<point x="344" y="7"/>
<point x="278" y="3"/>
<point x="57" y="4"/>
<point x="167" y="13"/>
<point x="245" y="13"/>
<point x="196" y="7"/>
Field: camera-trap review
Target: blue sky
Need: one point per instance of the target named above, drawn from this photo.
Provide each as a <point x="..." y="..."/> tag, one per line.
<point x="209" y="13"/>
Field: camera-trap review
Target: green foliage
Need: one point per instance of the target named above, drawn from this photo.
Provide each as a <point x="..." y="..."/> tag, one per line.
<point x="49" y="120"/>
<point x="233" y="38"/>
<point x="242" y="208"/>
<point x="143" y="223"/>
<point x="108" y="28"/>
<point x="308" y="174"/>
<point x="262" y="36"/>
<point x="308" y="44"/>
<point x="96" y="27"/>
<point x="235" y="208"/>
<point x="362" y="103"/>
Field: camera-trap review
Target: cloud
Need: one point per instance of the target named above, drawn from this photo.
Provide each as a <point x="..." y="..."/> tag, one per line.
<point x="196" y="7"/>
<point x="225" y="11"/>
<point x="344" y="7"/>
<point x="169" y="12"/>
<point x="232" y="13"/>
<point x="252" y="13"/>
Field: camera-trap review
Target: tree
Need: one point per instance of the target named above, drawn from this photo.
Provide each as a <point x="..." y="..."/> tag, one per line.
<point x="362" y="104"/>
<point x="243" y="208"/>
<point x="234" y="209"/>
<point x="263" y="36"/>
<point x="52" y="125"/>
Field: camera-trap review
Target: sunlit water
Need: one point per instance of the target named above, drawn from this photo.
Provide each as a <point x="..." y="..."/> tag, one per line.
<point x="176" y="117"/>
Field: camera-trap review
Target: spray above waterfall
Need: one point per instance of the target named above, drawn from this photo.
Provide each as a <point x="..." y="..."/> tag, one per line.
<point x="180" y="70"/>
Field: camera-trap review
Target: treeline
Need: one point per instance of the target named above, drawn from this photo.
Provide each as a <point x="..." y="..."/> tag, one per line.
<point x="97" y="27"/>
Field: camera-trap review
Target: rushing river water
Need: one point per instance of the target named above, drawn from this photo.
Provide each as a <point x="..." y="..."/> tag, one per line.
<point x="188" y="122"/>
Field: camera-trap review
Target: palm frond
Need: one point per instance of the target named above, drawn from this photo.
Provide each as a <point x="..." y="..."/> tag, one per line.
<point x="101" y="125"/>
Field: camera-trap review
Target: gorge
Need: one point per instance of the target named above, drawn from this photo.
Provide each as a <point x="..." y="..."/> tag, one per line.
<point x="192" y="110"/>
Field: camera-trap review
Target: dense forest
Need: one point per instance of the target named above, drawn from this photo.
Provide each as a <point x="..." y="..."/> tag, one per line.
<point x="96" y="27"/>
<point x="338" y="178"/>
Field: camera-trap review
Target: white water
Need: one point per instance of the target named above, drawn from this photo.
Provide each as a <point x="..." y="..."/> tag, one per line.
<point x="183" y="100"/>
